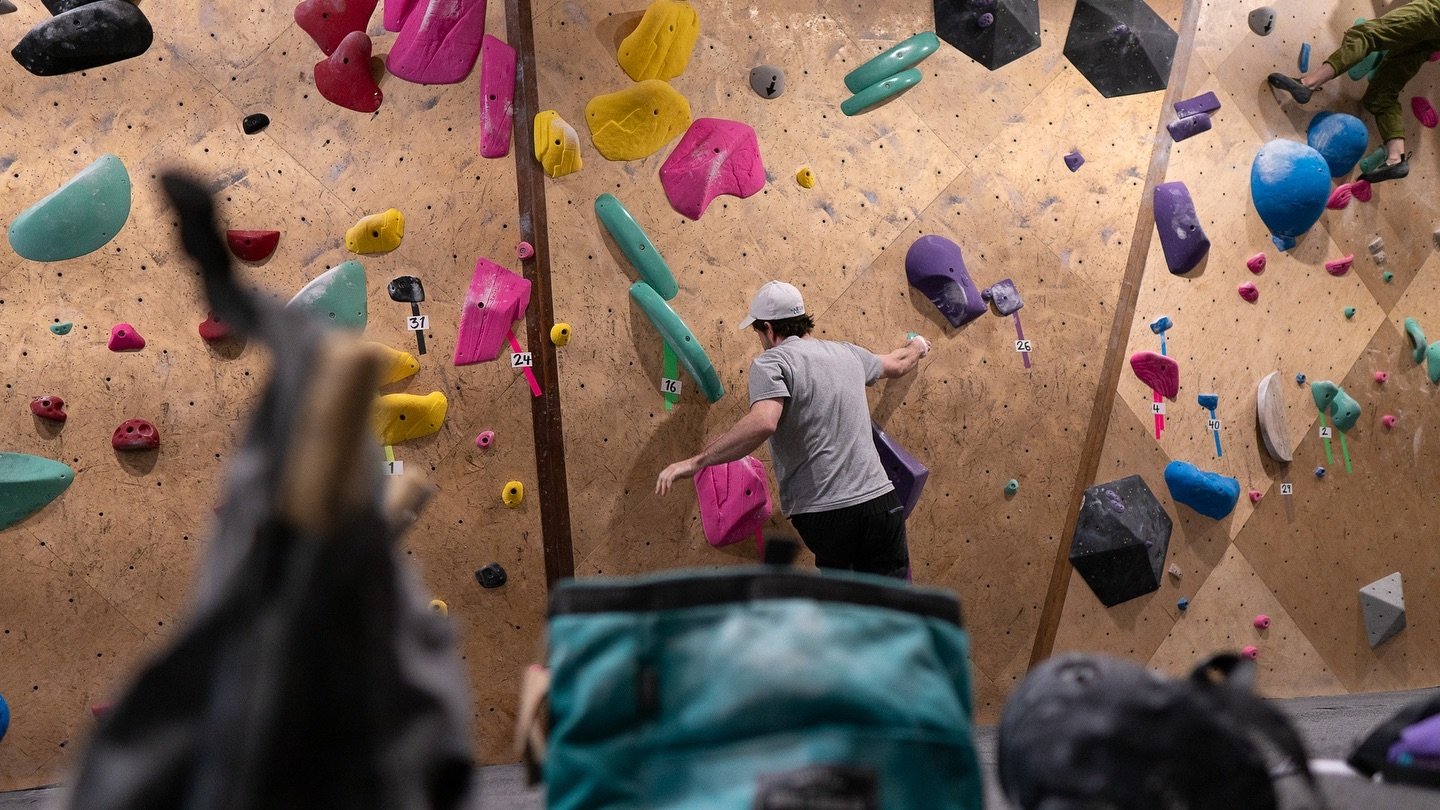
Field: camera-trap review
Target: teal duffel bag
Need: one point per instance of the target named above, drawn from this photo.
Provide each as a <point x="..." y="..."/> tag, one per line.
<point x="759" y="688"/>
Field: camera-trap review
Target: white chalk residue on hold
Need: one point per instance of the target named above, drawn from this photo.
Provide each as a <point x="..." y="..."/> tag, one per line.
<point x="1277" y="159"/>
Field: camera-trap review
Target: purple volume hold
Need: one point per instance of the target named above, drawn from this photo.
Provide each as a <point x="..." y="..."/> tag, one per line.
<point x="1182" y="128"/>
<point x="1206" y="103"/>
<point x="1181" y="236"/>
<point x="906" y="472"/>
<point x="935" y="267"/>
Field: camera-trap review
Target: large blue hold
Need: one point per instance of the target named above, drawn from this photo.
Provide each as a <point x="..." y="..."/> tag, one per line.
<point x="1340" y="139"/>
<point x="1289" y="184"/>
<point x="1211" y="494"/>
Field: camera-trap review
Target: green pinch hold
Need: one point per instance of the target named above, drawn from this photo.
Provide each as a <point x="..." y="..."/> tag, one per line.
<point x="680" y="339"/>
<point x="1349" y="312"/>
<point x="62" y="328"/>
<point x="79" y="217"/>
<point x="1324" y="393"/>
<point x="337" y="296"/>
<point x="1387" y="276"/>
<point x="1012" y="486"/>
<point x="1417" y="339"/>
<point x="27" y="483"/>
<point x="903" y="56"/>
<point x="636" y="246"/>
<point x="1432" y="362"/>
<point x="1344" y="410"/>
<point x="880" y="91"/>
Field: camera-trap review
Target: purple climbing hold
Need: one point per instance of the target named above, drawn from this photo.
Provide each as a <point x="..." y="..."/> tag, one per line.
<point x="1182" y="128"/>
<point x="1004" y="297"/>
<point x="1206" y="103"/>
<point x="905" y="471"/>
<point x="935" y="267"/>
<point x="1074" y="160"/>
<point x="985" y="20"/>
<point x="1181" y="236"/>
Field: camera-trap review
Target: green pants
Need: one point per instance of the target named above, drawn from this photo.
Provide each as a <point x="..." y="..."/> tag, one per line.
<point x="1408" y="35"/>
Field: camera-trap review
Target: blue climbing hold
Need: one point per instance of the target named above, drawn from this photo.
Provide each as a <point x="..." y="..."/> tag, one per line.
<point x="1319" y="472"/>
<point x="1340" y="139"/>
<point x="4" y="716"/>
<point x="1211" y="494"/>
<point x="1299" y="379"/>
<point x="1289" y="184"/>
<point x="1305" y="58"/>
<point x="1182" y="603"/>
<point x="1209" y="401"/>
<point x="1161" y="325"/>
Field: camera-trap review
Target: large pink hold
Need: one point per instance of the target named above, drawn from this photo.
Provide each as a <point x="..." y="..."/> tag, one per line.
<point x="344" y="77"/>
<point x="1157" y="371"/>
<point x="1249" y="291"/>
<point x="124" y="338"/>
<point x="1340" y="197"/>
<point x="329" y="21"/>
<point x="496" y="299"/>
<point x="396" y="12"/>
<point x="1256" y="263"/>
<point x="497" y="97"/>
<point x="734" y="500"/>
<point x="439" y="44"/>
<point x="714" y="157"/>
<point x="1362" y="191"/>
<point x="1340" y="267"/>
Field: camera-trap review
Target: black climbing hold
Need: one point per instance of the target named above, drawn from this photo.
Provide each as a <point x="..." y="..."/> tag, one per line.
<point x="407" y="289"/>
<point x="1012" y="32"/>
<point x="1122" y="46"/>
<point x="491" y="576"/>
<point x="92" y="35"/>
<point x="1120" y="540"/>
<point x="62" y="6"/>
<point x="254" y="123"/>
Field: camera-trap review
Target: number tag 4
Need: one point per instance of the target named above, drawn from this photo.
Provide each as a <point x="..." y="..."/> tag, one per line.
<point x="521" y="360"/>
<point x="669" y="386"/>
<point x="417" y="323"/>
<point x="1157" y="408"/>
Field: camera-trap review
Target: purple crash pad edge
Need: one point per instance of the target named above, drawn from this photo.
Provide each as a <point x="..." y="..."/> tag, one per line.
<point x="1181" y="236"/>
<point x="497" y="97"/>
<point x="905" y="471"/>
<point x="1182" y="128"/>
<point x="1206" y="103"/>
<point x="496" y="299"/>
<point x="715" y="156"/>
<point x="440" y="43"/>
<point x="935" y="266"/>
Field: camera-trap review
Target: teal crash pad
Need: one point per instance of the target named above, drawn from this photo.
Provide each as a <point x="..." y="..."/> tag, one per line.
<point x="337" y="296"/>
<point x="79" y="217"/>
<point x="27" y="483"/>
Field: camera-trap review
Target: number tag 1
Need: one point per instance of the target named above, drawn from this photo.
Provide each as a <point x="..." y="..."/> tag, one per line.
<point x="396" y="467"/>
<point x="521" y="360"/>
<point x="669" y="386"/>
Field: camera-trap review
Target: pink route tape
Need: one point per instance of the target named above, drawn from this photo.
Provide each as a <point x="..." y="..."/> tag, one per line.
<point x="529" y="372"/>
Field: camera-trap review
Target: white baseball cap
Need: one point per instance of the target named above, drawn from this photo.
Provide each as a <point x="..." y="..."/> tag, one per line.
<point x="775" y="301"/>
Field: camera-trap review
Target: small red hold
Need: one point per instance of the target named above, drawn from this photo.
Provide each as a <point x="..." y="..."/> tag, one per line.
<point x="1256" y="263"/>
<point x="1424" y="112"/>
<point x="213" y="329"/>
<point x="328" y="22"/>
<point x="1256" y="495"/>
<point x="1388" y="420"/>
<point x="1340" y="267"/>
<point x="99" y="710"/>
<point x="345" y="79"/>
<point x="135" y="434"/>
<point x="524" y="250"/>
<point x="124" y="338"/>
<point x="52" y="408"/>
<point x="252" y="246"/>
<point x="1362" y="190"/>
<point x="1382" y="376"/>
<point x="1340" y="197"/>
<point x="1262" y="621"/>
<point x="1250" y="651"/>
<point x="1248" y="291"/>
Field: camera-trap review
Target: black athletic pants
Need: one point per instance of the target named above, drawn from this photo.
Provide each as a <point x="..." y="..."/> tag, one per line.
<point x="867" y="537"/>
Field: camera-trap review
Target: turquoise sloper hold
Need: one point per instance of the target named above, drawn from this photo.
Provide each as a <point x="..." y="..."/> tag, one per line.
<point x="904" y="56"/>
<point x="27" y="483"/>
<point x="1344" y="410"/>
<point x="79" y="217"/>
<point x="880" y="91"/>
<point x="337" y="296"/>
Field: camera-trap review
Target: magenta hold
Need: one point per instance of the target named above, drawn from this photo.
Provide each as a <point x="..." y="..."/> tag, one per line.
<point x="1388" y="420"/>
<point x="485" y="439"/>
<point x="1250" y="651"/>
<point x="524" y="250"/>
<point x="1262" y="621"/>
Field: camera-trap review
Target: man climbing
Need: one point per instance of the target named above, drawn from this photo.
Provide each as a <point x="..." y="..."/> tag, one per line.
<point x="1408" y="35"/>
<point x="807" y="396"/>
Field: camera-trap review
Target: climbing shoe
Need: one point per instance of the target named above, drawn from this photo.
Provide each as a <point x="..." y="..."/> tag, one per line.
<point x="1297" y="91"/>
<point x="1390" y="171"/>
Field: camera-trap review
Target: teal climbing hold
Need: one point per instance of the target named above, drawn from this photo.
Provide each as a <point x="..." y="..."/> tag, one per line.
<point x="1432" y="362"/>
<point x="1372" y="161"/>
<point x="1417" y="339"/>
<point x="680" y="340"/>
<point x="903" y="56"/>
<point x="1012" y="486"/>
<point x="337" y="296"/>
<point x="79" y="217"/>
<point x="1324" y="393"/>
<point x="1344" y="410"/>
<point x="880" y="91"/>
<point x="636" y="246"/>
<point x="27" y="483"/>
<point x="1387" y="277"/>
<point x="1366" y="67"/>
<point x="62" y="328"/>
<point x="1349" y="312"/>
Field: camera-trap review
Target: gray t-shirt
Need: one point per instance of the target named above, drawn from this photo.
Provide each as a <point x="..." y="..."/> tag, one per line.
<point x="823" y="451"/>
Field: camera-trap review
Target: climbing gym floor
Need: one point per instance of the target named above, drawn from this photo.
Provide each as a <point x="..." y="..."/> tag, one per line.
<point x="100" y="577"/>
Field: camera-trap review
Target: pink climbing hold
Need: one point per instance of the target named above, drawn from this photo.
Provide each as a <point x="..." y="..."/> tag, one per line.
<point x="1262" y="621"/>
<point x="252" y="246"/>
<point x="496" y="298"/>
<point x="439" y="44"/>
<point x="1256" y="263"/>
<point x="497" y="97"/>
<point x="734" y="500"/>
<point x="1340" y="267"/>
<point x="485" y="439"/>
<point x="124" y="338"/>
<point x="51" y="408"/>
<point x="1249" y="291"/>
<point x="396" y="12"/>
<point x="1340" y="197"/>
<point x="1424" y="112"/>
<point x="524" y="250"/>
<point x="1250" y="651"/>
<point x="1381" y="377"/>
<point x="344" y="78"/>
<point x="213" y="329"/>
<point x="1362" y="190"/>
<point x="1388" y="420"/>
<point x="715" y="157"/>
<point x="1256" y="495"/>
<point x="135" y="434"/>
<point x="1159" y="372"/>
<point x="329" y="21"/>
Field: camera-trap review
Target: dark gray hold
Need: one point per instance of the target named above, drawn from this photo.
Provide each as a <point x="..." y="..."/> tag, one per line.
<point x="62" y="6"/>
<point x="491" y="576"/>
<point x="254" y="123"/>
<point x="1120" y="540"/>
<point x="767" y="81"/>
<point x="1014" y="30"/>
<point x="1262" y="21"/>
<point x="1119" y="65"/>
<point x="407" y="289"/>
<point x="7" y="7"/>
<point x="89" y="36"/>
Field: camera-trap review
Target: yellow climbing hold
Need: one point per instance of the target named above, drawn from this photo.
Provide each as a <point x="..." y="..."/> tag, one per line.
<point x="377" y="233"/>
<point x="560" y="334"/>
<point x="659" y="48"/>
<point x="638" y="121"/>
<point x="401" y="417"/>
<point x="513" y="494"/>
<point x="805" y="178"/>
<point x="398" y="364"/>
<point x="440" y="607"/>
<point x="557" y="147"/>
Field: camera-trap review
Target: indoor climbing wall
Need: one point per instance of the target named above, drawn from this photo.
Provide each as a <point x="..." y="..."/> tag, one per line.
<point x="1298" y="559"/>
<point x="99" y="578"/>
<point x="970" y="154"/>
